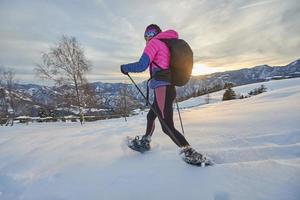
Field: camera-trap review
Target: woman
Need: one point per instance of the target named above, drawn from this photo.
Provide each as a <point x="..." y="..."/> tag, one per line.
<point x="157" y="55"/>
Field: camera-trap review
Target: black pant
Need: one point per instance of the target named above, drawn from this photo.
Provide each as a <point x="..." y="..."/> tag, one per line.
<point x="163" y="105"/>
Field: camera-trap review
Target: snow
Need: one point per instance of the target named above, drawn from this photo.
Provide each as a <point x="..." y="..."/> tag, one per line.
<point x="255" y="143"/>
<point x="242" y="90"/>
<point x="295" y="63"/>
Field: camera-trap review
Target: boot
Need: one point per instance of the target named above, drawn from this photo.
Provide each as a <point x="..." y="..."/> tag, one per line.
<point x="191" y="156"/>
<point x="140" y="145"/>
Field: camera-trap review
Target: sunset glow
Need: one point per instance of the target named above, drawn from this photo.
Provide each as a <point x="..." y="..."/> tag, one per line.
<point x="202" y="69"/>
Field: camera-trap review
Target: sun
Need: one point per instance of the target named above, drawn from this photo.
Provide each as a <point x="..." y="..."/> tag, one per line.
<point x="202" y="69"/>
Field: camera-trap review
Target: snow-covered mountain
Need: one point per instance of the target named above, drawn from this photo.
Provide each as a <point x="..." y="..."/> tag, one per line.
<point x="255" y="143"/>
<point x="108" y="94"/>
<point x="241" y="77"/>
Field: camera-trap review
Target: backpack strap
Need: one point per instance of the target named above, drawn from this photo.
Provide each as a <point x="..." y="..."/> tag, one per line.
<point x="147" y="95"/>
<point x="157" y="65"/>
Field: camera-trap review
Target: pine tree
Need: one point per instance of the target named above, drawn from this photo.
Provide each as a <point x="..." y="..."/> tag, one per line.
<point x="228" y="85"/>
<point x="229" y="94"/>
<point x="262" y="89"/>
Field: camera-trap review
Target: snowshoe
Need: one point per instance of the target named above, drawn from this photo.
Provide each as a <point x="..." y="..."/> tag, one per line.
<point x="191" y="156"/>
<point x="141" y="145"/>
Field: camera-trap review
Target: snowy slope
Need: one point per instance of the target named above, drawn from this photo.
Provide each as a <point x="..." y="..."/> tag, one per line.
<point x="242" y="90"/>
<point x="255" y="141"/>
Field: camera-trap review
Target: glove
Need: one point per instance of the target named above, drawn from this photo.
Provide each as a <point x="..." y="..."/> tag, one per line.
<point x="122" y="70"/>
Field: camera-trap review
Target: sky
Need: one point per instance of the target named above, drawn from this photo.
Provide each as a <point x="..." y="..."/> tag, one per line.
<point x="224" y="34"/>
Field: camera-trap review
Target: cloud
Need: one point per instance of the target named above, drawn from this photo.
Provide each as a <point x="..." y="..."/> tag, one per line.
<point x="234" y="38"/>
<point x="18" y="51"/>
<point x="259" y="3"/>
<point x="227" y="34"/>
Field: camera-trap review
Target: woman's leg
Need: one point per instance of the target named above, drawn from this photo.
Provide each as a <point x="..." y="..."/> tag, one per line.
<point x="151" y="116"/>
<point x="164" y="100"/>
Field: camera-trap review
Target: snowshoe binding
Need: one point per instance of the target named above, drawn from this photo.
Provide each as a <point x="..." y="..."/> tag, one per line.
<point x="139" y="144"/>
<point x="191" y="156"/>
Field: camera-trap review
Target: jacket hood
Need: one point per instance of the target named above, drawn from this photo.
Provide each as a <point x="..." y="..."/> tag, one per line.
<point x="169" y="34"/>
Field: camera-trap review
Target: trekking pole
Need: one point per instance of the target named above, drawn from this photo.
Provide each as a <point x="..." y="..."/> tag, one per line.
<point x="179" y="117"/>
<point x="153" y="109"/>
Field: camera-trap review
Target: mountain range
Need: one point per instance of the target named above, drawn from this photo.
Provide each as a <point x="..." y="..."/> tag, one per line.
<point x="33" y="97"/>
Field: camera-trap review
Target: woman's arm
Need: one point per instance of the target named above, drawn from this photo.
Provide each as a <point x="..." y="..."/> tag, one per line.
<point x="139" y="66"/>
<point x="147" y="57"/>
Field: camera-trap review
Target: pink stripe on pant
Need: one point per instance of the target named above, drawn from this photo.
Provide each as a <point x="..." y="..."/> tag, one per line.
<point x="163" y="104"/>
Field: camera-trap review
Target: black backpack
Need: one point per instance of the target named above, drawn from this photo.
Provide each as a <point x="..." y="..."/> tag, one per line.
<point x="181" y="62"/>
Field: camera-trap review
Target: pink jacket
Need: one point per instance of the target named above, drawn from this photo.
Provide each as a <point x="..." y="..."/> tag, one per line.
<point x="158" y="50"/>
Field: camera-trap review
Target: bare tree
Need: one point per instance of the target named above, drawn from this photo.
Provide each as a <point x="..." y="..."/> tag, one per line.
<point x="206" y="91"/>
<point x="125" y="100"/>
<point x="1" y="72"/>
<point x="3" y="106"/>
<point x="66" y="64"/>
<point x="7" y="77"/>
<point x="207" y="98"/>
<point x="89" y="97"/>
